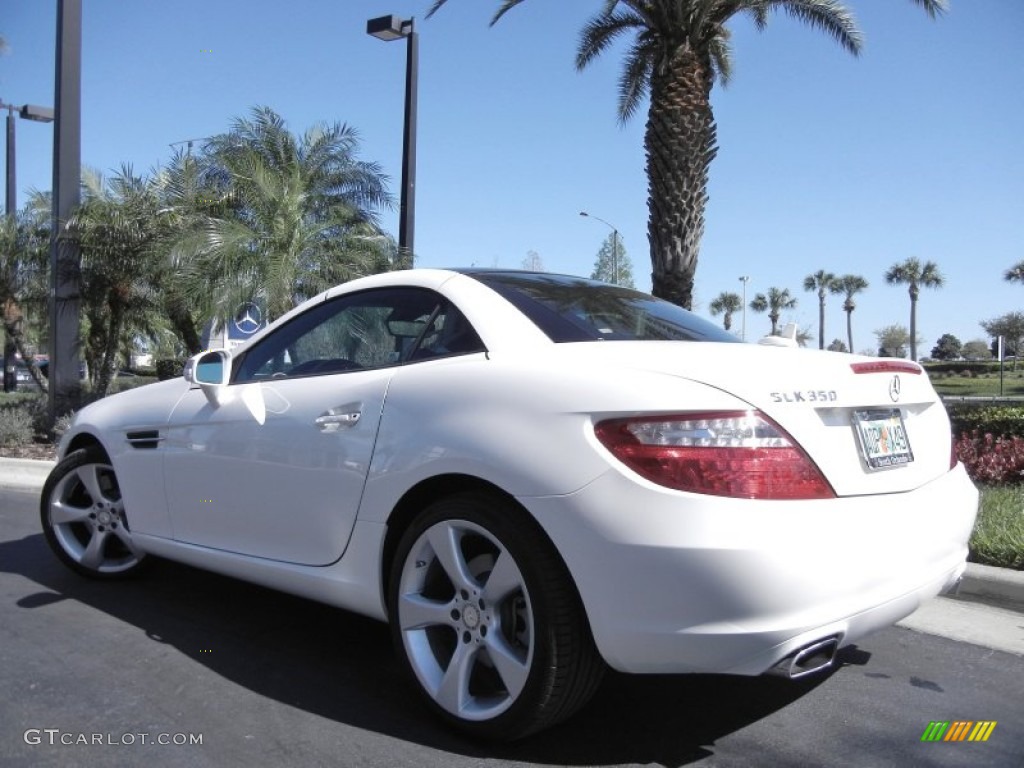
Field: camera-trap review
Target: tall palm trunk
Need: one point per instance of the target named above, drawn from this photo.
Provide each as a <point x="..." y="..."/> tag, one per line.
<point x="14" y="334"/>
<point x="680" y="144"/>
<point x="913" y="322"/>
<point x="849" y="327"/>
<point x="821" y="317"/>
<point x="185" y="327"/>
<point x="109" y="358"/>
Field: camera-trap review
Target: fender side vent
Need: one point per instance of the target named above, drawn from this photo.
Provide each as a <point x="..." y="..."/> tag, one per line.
<point x="146" y="438"/>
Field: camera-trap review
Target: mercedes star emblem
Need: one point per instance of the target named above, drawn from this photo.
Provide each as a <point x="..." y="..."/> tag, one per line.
<point x="248" y="318"/>
<point x="894" y="389"/>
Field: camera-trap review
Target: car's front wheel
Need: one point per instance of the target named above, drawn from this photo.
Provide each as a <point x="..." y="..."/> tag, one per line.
<point x="487" y="620"/>
<point x="84" y="520"/>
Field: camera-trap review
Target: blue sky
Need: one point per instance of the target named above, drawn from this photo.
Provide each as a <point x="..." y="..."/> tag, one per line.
<point x="826" y="161"/>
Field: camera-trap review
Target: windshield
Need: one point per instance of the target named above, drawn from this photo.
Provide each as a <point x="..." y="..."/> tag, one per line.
<point x="576" y="309"/>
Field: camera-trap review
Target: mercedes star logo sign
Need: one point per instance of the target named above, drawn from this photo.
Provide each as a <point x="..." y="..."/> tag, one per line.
<point x="248" y="318"/>
<point x="894" y="389"/>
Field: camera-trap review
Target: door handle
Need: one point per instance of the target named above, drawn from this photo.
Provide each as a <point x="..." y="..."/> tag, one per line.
<point x="336" y="419"/>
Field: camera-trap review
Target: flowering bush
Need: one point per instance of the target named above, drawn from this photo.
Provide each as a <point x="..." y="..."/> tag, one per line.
<point x="990" y="459"/>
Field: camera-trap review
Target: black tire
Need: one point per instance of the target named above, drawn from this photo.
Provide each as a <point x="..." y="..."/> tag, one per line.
<point x="502" y="648"/>
<point x="83" y="518"/>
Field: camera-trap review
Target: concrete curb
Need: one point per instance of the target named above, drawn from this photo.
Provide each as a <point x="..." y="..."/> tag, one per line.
<point x="981" y="583"/>
<point x="984" y="583"/>
<point x="24" y="474"/>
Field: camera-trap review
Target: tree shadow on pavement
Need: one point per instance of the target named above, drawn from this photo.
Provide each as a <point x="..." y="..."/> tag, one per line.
<point x="341" y="666"/>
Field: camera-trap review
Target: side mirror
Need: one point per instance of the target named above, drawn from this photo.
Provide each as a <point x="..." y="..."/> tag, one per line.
<point x="211" y="371"/>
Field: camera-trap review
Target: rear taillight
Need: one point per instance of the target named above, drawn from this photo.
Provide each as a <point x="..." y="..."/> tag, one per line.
<point x="741" y="454"/>
<point x="887" y="366"/>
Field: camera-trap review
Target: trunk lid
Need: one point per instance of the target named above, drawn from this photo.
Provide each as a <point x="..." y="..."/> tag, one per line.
<point x="819" y="398"/>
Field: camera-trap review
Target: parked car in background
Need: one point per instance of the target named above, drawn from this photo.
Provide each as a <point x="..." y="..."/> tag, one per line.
<point x="532" y="477"/>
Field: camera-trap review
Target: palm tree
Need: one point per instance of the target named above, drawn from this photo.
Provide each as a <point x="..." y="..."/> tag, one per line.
<point x="118" y="228"/>
<point x="821" y="281"/>
<point x="291" y="216"/>
<point x="773" y="303"/>
<point x="728" y="303"/>
<point x="849" y="286"/>
<point x="1015" y="273"/>
<point x="679" y="49"/>
<point x="24" y="255"/>
<point x="916" y="276"/>
<point x="190" y="198"/>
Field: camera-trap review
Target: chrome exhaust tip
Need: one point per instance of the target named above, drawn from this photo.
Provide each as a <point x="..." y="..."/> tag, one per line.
<point x="808" y="660"/>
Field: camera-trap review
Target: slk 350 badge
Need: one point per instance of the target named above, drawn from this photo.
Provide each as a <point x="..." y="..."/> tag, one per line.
<point x="805" y="396"/>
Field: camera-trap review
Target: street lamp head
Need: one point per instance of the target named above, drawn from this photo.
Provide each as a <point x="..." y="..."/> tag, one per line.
<point x="388" y="28"/>
<point x="584" y="213"/>
<point x="39" y="114"/>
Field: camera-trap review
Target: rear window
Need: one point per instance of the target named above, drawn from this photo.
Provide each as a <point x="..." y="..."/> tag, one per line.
<point x="576" y="309"/>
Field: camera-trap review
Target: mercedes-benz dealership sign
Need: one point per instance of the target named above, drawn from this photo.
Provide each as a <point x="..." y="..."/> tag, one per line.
<point x="247" y="321"/>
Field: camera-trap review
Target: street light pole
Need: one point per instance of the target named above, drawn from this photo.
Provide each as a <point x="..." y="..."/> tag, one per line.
<point x="392" y="28"/>
<point x="12" y="188"/>
<point x="744" y="279"/>
<point x="41" y="115"/>
<point x="615" y="244"/>
<point x="65" y="257"/>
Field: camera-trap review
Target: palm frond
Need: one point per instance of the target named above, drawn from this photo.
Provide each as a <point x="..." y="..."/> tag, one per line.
<point x="634" y="81"/>
<point x="933" y="8"/>
<point x="434" y="7"/>
<point x="599" y="33"/>
<point x="830" y="16"/>
<point x="506" y="6"/>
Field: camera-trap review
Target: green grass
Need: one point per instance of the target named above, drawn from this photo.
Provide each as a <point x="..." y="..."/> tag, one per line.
<point x="985" y="385"/>
<point x="998" y="537"/>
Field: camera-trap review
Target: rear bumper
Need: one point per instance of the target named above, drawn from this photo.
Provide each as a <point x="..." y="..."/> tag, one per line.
<point x="676" y="582"/>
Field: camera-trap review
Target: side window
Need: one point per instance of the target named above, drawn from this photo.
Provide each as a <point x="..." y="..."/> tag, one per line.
<point x="448" y="333"/>
<point x="372" y="329"/>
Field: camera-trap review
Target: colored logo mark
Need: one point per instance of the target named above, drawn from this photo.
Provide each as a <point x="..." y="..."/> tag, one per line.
<point x="958" y="730"/>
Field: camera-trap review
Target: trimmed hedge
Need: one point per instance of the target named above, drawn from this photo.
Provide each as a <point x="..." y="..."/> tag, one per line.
<point x="959" y="367"/>
<point x="986" y="419"/>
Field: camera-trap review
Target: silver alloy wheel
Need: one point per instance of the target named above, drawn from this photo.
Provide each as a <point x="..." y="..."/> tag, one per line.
<point x="86" y="515"/>
<point x="466" y="620"/>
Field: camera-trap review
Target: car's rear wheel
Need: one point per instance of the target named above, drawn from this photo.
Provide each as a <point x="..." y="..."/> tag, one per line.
<point x="84" y="520"/>
<point x="487" y="620"/>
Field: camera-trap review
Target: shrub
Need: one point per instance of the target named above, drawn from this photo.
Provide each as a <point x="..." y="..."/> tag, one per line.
<point x="991" y="460"/>
<point x="15" y="427"/>
<point x="999" y="420"/>
<point x="169" y="369"/>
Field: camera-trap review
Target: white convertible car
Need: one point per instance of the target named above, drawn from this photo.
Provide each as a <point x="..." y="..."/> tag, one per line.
<point x="530" y="477"/>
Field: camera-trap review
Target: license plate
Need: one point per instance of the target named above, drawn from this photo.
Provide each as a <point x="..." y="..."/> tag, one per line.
<point x="883" y="438"/>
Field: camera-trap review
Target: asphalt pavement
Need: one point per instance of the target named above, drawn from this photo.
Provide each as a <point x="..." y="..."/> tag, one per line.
<point x="187" y="668"/>
<point x="152" y="665"/>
